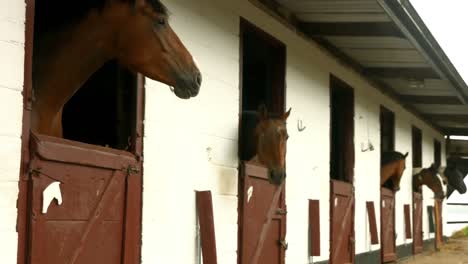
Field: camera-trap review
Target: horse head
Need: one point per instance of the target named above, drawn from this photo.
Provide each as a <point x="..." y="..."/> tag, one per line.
<point x="147" y="44"/>
<point x="454" y="179"/>
<point x="393" y="165"/>
<point x="441" y="172"/>
<point x="271" y="136"/>
<point x="429" y="177"/>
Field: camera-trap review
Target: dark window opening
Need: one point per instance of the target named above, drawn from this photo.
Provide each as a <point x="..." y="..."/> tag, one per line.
<point x="103" y="111"/>
<point x="342" y="131"/>
<point x="437" y="153"/>
<point x="387" y="136"/>
<point x="387" y="130"/>
<point x="430" y="216"/>
<point x="416" y="142"/>
<point x="263" y="81"/>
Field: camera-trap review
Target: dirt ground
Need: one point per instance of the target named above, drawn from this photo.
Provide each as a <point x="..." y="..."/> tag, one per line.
<point x="455" y="251"/>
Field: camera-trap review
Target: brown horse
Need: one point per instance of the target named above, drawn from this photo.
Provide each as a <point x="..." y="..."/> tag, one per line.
<point x="392" y="167"/>
<point x="429" y="177"/>
<point x="271" y="136"/>
<point x="136" y="33"/>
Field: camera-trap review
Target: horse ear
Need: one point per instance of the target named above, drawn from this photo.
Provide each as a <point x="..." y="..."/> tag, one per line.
<point x="406" y="154"/>
<point x="262" y="112"/>
<point x="286" y="115"/>
<point x="139" y="3"/>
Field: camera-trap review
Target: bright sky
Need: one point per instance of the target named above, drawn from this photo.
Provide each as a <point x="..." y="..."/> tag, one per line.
<point x="448" y="22"/>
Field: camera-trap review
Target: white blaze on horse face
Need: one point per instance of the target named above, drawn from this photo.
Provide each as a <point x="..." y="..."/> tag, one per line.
<point x="416" y="170"/>
<point x="442" y="180"/>
<point x="442" y="175"/>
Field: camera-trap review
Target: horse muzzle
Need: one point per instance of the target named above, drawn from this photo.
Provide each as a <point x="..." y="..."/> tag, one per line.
<point x="462" y="189"/>
<point x="188" y="85"/>
<point x="439" y="195"/>
<point x="277" y="176"/>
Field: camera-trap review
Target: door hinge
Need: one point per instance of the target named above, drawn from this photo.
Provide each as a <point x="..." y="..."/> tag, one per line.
<point x="33" y="169"/>
<point x="281" y="211"/>
<point x="132" y="169"/>
<point x="283" y="244"/>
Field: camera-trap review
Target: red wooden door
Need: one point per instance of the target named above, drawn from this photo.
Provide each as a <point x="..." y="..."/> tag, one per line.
<point x="94" y="223"/>
<point x="417" y="223"/>
<point x="438" y="223"/>
<point x="387" y="226"/>
<point x="342" y="228"/>
<point x="257" y="198"/>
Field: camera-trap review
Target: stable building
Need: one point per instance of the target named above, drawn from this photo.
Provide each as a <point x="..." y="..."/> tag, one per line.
<point x="361" y="77"/>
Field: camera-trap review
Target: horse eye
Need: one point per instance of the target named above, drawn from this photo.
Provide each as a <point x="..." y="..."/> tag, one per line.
<point x="161" y="21"/>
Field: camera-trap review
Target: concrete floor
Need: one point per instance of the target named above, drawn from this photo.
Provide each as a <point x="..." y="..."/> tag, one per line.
<point x="455" y="251"/>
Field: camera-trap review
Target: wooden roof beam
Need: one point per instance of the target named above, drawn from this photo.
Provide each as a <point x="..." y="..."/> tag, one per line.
<point x="416" y="73"/>
<point x="353" y="29"/>
<point x="447" y="117"/>
<point x="419" y="99"/>
<point x="455" y="131"/>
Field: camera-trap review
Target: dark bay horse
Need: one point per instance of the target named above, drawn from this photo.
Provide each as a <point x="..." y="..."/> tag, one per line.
<point x="392" y="167"/>
<point x="455" y="172"/>
<point x="429" y="177"/>
<point x="269" y="138"/>
<point x="73" y="39"/>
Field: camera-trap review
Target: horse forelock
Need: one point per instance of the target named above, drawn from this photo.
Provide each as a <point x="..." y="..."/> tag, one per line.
<point x="158" y="7"/>
<point x="391" y="156"/>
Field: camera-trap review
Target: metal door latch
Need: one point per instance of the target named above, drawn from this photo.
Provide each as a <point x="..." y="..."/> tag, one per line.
<point x="283" y="244"/>
<point x="281" y="211"/>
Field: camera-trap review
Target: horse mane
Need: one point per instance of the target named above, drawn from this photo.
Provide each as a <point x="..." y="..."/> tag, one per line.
<point x="391" y="156"/>
<point x="254" y="114"/>
<point x="54" y="14"/>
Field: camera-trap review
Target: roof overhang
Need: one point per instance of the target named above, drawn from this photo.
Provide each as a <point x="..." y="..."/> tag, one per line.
<point x="387" y="42"/>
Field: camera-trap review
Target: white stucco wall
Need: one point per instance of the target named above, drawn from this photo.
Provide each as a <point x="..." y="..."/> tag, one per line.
<point x="192" y="145"/>
<point x="12" y="18"/>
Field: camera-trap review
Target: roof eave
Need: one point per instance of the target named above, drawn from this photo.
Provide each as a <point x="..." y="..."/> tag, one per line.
<point x="412" y="26"/>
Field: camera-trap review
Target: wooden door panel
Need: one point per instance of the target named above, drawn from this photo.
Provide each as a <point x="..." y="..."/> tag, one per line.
<point x="88" y="227"/>
<point x="439" y="240"/>
<point x="272" y="251"/>
<point x="257" y="200"/>
<point x="417" y="223"/>
<point x="81" y="187"/>
<point x="342" y="229"/>
<point x="63" y="238"/>
<point x="388" y="225"/>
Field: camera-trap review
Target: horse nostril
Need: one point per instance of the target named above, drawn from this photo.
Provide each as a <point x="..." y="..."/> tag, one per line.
<point x="198" y="79"/>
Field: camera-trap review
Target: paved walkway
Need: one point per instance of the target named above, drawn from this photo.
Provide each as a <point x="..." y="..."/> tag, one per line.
<point x="455" y="251"/>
